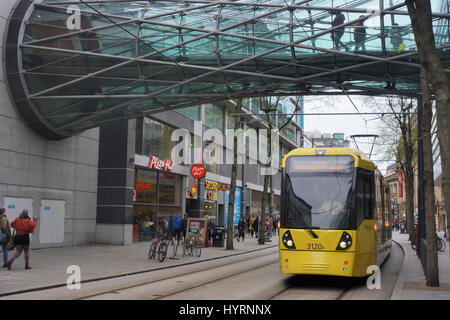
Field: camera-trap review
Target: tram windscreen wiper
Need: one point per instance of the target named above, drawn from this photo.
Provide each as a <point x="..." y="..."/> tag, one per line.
<point x="312" y="233"/>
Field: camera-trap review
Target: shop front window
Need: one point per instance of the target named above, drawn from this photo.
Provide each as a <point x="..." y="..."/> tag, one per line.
<point x="157" y="199"/>
<point x="145" y="184"/>
<point x="165" y="214"/>
<point x="211" y="211"/>
<point x="256" y="203"/>
<point x="144" y="223"/>
<point x="169" y="189"/>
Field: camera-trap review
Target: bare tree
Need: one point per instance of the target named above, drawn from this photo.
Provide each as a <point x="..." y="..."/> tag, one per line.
<point x="432" y="271"/>
<point x="234" y="168"/>
<point x="269" y="106"/>
<point x="421" y="21"/>
<point x="400" y="142"/>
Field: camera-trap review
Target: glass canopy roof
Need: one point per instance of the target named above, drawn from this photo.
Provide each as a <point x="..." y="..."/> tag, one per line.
<point x="73" y="65"/>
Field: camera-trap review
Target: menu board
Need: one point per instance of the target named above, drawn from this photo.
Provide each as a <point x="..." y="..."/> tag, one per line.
<point x="197" y="226"/>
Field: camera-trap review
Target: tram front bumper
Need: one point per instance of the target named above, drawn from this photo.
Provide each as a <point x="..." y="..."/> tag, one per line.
<point x="320" y="263"/>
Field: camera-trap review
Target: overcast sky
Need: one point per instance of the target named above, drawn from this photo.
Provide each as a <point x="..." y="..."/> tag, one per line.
<point x="349" y="125"/>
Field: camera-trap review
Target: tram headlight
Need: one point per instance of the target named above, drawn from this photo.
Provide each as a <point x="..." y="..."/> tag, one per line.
<point x="345" y="242"/>
<point x="288" y="241"/>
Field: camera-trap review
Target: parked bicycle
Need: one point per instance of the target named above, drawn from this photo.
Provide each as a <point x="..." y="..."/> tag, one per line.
<point x="440" y="244"/>
<point x="192" y="245"/>
<point x="158" y="247"/>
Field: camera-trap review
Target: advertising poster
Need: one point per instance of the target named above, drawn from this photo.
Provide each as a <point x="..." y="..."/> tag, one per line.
<point x="237" y="206"/>
<point x="197" y="226"/>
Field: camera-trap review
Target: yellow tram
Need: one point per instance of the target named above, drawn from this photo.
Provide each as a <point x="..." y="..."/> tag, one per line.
<point x="335" y="213"/>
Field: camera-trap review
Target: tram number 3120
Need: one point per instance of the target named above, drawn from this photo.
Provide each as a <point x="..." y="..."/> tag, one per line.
<point x="314" y="246"/>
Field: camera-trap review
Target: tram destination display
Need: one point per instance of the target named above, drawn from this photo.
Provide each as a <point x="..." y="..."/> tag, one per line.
<point x="320" y="164"/>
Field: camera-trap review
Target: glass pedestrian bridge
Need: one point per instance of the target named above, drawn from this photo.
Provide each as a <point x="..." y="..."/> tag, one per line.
<point x="75" y="64"/>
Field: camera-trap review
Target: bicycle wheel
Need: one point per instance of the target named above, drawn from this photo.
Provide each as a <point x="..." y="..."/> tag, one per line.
<point x="162" y="252"/>
<point x="440" y="244"/>
<point x="197" y="249"/>
<point x="152" y="251"/>
<point x="188" y="248"/>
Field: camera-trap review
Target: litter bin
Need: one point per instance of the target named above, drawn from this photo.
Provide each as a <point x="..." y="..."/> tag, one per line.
<point x="218" y="237"/>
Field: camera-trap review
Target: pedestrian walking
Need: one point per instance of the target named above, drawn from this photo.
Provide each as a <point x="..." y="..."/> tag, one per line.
<point x="250" y="226"/>
<point x="5" y="235"/>
<point x="24" y="226"/>
<point x="176" y="224"/>
<point x="397" y="37"/>
<point x="241" y="229"/>
<point x="402" y="228"/>
<point x="337" y="33"/>
<point x="359" y="34"/>
<point x="256" y="226"/>
<point x="274" y="225"/>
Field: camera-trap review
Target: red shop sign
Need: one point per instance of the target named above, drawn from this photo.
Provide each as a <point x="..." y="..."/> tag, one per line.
<point x="155" y="163"/>
<point x="198" y="171"/>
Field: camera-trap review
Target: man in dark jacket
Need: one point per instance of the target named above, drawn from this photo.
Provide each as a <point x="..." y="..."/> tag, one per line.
<point x="359" y="34"/>
<point x="337" y="34"/>
<point x="241" y="229"/>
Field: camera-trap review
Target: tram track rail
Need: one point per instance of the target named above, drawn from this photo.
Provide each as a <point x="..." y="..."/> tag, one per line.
<point x="136" y="280"/>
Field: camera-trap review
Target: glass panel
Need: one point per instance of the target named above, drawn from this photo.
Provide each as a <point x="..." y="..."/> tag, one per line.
<point x="165" y="215"/>
<point x="169" y="189"/>
<point x="145" y="186"/>
<point x="211" y="211"/>
<point x="256" y="203"/>
<point x="318" y="191"/>
<point x="190" y="112"/>
<point x="305" y="44"/>
<point x="144" y="223"/>
<point x="360" y="214"/>
<point x="367" y="199"/>
<point x="156" y="140"/>
<point x="214" y="116"/>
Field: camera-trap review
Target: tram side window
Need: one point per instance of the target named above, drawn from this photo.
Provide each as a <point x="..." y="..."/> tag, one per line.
<point x="359" y="201"/>
<point x="367" y="199"/>
<point x="373" y="199"/>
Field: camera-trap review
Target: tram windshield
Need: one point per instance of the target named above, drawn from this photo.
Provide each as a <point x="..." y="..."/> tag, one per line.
<point x="318" y="191"/>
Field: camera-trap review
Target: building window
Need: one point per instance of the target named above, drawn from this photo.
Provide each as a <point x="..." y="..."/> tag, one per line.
<point x="214" y="116"/>
<point x="190" y="112"/>
<point x="156" y="139"/>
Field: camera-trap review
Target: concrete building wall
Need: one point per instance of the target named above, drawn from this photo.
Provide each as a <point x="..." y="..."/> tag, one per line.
<point x="32" y="167"/>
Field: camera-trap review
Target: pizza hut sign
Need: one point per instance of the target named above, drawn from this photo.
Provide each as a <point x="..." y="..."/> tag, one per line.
<point x="198" y="171"/>
<point x="155" y="163"/>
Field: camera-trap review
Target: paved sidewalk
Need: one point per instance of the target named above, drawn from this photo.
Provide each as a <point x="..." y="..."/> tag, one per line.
<point x="411" y="283"/>
<point x="102" y="261"/>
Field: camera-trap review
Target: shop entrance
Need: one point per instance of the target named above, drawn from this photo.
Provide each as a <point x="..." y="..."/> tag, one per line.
<point x="211" y="211"/>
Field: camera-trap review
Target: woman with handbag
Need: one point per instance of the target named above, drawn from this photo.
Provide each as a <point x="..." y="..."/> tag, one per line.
<point x="5" y="235"/>
<point x="24" y="227"/>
